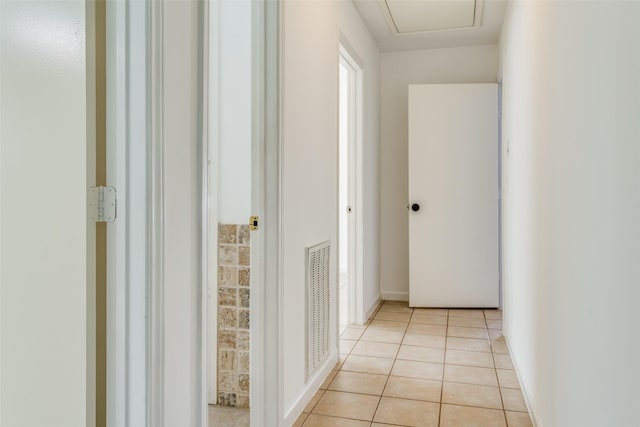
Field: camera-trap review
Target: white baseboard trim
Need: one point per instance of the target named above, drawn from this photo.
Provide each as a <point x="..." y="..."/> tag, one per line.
<point x="310" y="389"/>
<point x="395" y="296"/>
<point x="525" y="392"/>
<point x="372" y="310"/>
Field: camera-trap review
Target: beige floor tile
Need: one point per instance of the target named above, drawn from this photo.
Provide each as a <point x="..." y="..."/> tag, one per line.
<point x="502" y="361"/>
<point x="347" y="405"/>
<point x="513" y="400"/>
<point x="359" y="382"/>
<point x="471" y="322"/>
<point x="315" y="420"/>
<point x="382" y="335"/>
<point x="518" y="419"/>
<point x="369" y="365"/>
<point x="393" y="315"/>
<point x="421" y="354"/>
<point x="471" y="395"/>
<point x="469" y="344"/>
<point x="314" y="401"/>
<point x="424" y="340"/>
<point x="493" y="314"/>
<point x="426" y="329"/>
<point x="470" y="375"/>
<point x="499" y="347"/>
<point x="410" y="413"/>
<point x="301" y="419"/>
<point x="432" y="311"/>
<point x="394" y="302"/>
<point x="388" y="325"/>
<point x="228" y="416"/>
<point x="327" y="381"/>
<point x="346" y="346"/>
<point x="462" y="312"/>
<point x="466" y="416"/>
<point x="507" y="378"/>
<point x="384" y="425"/>
<point x="352" y="333"/>
<point x="413" y="388"/>
<point x="340" y="362"/>
<point x="395" y="308"/>
<point x="431" y="319"/>
<point x="411" y="369"/>
<point x="464" y="332"/>
<point x="494" y="323"/>
<point x="495" y="334"/>
<point x="469" y="358"/>
<point x="375" y="349"/>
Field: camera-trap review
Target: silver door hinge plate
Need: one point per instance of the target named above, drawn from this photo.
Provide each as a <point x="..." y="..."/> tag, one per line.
<point x="102" y="204"/>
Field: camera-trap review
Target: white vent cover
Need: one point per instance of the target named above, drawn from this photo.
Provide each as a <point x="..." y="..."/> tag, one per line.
<point x="318" y="305"/>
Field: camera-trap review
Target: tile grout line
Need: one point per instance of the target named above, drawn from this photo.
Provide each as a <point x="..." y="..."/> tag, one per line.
<point x="392" y="366"/>
<point x="444" y="365"/>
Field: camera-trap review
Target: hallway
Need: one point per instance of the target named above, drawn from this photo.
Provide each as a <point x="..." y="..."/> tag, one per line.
<point x="421" y="367"/>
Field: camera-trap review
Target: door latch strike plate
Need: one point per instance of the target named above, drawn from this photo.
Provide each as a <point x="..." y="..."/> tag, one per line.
<point x="253" y="223"/>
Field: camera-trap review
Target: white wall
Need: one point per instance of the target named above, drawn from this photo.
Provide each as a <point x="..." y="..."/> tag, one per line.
<point x="572" y="208"/>
<point x="47" y="244"/>
<point x="477" y="64"/>
<point x="234" y="109"/>
<point x="310" y="162"/>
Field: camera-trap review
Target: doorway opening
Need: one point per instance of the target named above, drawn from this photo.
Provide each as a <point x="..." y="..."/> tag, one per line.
<point x="349" y="191"/>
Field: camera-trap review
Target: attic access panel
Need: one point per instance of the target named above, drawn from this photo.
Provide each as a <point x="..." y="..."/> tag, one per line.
<point x="415" y="16"/>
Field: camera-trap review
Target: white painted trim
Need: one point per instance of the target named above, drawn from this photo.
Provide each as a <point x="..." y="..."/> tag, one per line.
<point x="208" y="205"/>
<point x="525" y="392"/>
<point x="155" y="399"/>
<point x="309" y="391"/>
<point x="373" y="308"/>
<point x="127" y="237"/>
<point x="258" y="364"/>
<point x="395" y="295"/>
<point x="273" y="387"/>
<point x="212" y="214"/>
<point x="351" y="57"/>
<point x="116" y="239"/>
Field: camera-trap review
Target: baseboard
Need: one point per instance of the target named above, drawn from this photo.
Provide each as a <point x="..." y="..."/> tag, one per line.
<point x="310" y="389"/>
<point x="372" y="310"/>
<point x="525" y="393"/>
<point x="395" y="296"/>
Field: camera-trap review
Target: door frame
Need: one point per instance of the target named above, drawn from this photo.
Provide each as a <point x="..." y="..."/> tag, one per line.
<point x="265" y="388"/>
<point x="137" y="307"/>
<point x="128" y="239"/>
<point x="349" y="55"/>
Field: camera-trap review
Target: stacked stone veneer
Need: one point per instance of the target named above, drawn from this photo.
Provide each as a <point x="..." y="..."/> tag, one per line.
<point x="233" y="315"/>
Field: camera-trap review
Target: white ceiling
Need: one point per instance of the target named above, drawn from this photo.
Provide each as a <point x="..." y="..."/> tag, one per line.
<point x="410" y="16"/>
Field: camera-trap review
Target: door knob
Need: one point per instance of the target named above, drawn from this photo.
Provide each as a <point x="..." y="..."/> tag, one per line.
<point x="414" y="207"/>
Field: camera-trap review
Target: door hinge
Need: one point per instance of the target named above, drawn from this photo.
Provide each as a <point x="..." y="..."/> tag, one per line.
<point x="254" y="223"/>
<point x="102" y="204"/>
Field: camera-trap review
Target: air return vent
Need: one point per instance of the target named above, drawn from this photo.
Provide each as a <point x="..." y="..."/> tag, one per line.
<point x="318" y="305"/>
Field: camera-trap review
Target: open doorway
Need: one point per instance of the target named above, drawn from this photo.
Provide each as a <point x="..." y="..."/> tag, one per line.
<point x="349" y="192"/>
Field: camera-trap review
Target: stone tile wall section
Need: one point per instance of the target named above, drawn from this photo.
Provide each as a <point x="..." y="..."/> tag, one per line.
<point x="233" y="314"/>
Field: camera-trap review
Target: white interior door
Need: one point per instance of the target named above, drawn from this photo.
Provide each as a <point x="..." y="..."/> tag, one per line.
<point x="453" y="194"/>
<point x="47" y="244"/>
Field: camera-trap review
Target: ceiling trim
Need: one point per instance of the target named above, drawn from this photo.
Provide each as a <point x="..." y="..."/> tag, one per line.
<point x="386" y="12"/>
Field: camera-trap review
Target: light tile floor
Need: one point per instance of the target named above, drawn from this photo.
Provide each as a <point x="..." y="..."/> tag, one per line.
<point x="221" y="416"/>
<point x="421" y="367"/>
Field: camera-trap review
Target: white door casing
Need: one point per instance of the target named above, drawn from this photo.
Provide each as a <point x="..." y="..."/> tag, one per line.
<point x="453" y="176"/>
